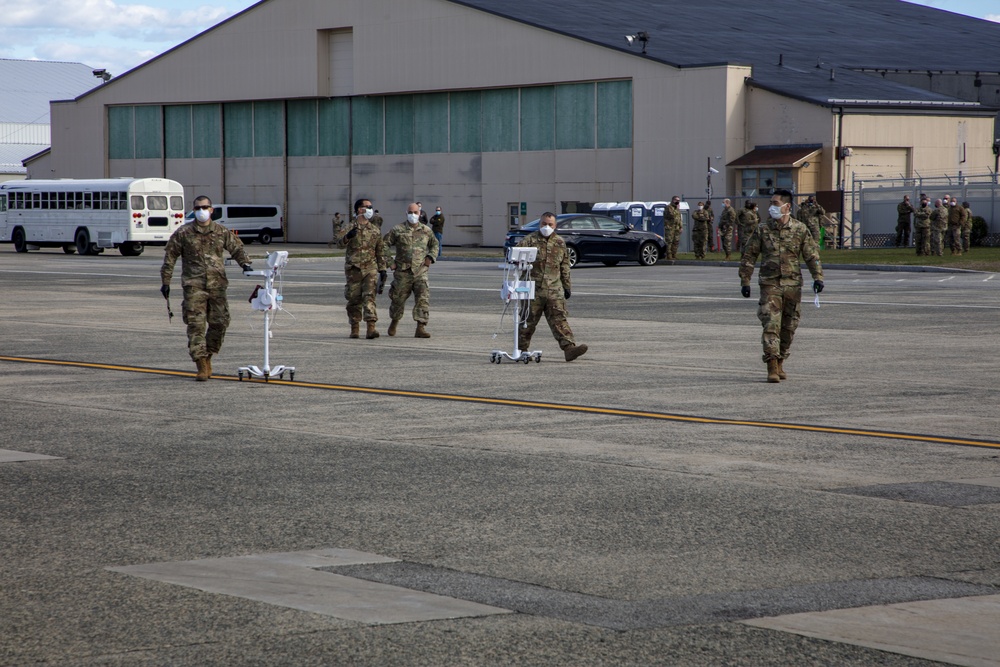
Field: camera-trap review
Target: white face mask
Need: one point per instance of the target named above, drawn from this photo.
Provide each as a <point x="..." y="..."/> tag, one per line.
<point x="202" y="216"/>
<point x="775" y="212"/>
<point x="413" y="218"/>
<point x="369" y="213"/>
<point x="701" y="208"/>
<point x="546" y="231"/>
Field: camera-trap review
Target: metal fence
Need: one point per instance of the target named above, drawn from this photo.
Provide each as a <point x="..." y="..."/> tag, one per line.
<point x="871" y="204"/>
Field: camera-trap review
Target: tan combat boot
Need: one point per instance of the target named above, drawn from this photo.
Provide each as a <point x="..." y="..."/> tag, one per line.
<point x="371" y="333"/>
<point x="574" y="351"/>
<point x="421" y="331"/>
<point x="203" y="371"/>
<point x="781" y="370"/>
<point x="208" y="365"/>
<point x="392" y="327"/>
<point x="355" y="330"/>
<point x="772" y="371"/>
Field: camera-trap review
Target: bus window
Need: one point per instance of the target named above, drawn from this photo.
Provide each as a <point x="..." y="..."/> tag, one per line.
<point x="105" y="201"/>
<point x="61" y="201"/>
<point x="156" y="203"/>
<point x="78" y="202"/>
<point x="3" y="203"/>
<point x="88" y="200"/>
<point x="176" y="203"/>
<point x="36" y="200"/>
<point x="44" y="204"/>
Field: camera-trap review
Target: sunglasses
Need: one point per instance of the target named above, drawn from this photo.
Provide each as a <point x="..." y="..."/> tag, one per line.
<point x="202" y="208"/>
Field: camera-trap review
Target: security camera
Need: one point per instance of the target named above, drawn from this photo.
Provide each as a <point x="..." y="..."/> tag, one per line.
<point x="713" y="170"/>
<point x="102" y="74"/>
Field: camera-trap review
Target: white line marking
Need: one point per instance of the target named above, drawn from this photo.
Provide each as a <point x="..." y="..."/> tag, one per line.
<point x="945" y="279"/>
<point x="988" y="279"/>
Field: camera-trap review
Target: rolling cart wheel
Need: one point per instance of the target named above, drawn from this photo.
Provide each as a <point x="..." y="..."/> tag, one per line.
<point x="291" y="376"/>
<point x="239" y="374"/>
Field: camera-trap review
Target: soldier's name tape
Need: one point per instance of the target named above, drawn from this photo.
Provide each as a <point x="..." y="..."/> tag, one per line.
<point x="563" y="407"/>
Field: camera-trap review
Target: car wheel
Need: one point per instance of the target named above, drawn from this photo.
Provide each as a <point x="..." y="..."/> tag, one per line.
<point x="20" y="243"/>
<point x="83" y="242"/>
<point x="610" y="262"/>
<point x="573" y="257"/>
<point x="649" y="254"/>
<point x="265" y="236"/>
<point x="130" y="249"/>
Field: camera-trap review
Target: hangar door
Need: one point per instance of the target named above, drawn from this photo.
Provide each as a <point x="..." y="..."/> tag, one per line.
<point x="872" y="163"/>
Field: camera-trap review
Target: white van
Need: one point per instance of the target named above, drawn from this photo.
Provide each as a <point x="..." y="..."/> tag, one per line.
<point x="250" y="221"/>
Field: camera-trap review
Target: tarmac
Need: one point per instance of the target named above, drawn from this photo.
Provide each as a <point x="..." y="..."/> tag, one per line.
<point x="407" y="502"/>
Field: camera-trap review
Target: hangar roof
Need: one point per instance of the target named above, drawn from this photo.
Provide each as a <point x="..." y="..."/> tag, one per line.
<point x="29" y="85"/>
<point x="809" y="38"/>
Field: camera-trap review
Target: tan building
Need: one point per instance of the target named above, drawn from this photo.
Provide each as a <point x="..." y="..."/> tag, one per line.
<point x="499" y="110"/>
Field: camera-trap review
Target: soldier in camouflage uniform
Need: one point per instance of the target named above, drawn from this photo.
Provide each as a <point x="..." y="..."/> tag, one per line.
<point x="810" y="214"/>
<point x="922" y="227"/>
<point x="364" y="264"/>
<point x="956" y="218"/>
<point x="967" y="228"/>
<point x="780" y="242"/>
<point x="552" y="287"/>
<point x="699" y="234"/>
<point x="748" y="219"/>
<point x="727" y="223"/>
<point x="939" y="223"/>
<point x="416" y="249"/>
<point x="903" y="212"/>
<point x="200" y="245"/>
<point x="673" y="226"/>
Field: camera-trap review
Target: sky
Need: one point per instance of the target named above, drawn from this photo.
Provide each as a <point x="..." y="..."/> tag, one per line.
<point x="118" y="35"/>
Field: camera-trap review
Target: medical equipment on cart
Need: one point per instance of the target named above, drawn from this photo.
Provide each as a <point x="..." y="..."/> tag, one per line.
<point x="267" y="298"/>
<point x="517" y="292"/>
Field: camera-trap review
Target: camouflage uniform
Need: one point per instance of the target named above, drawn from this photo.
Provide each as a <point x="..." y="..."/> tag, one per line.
<point x="727" y="223"/>
<point x="711" y="221"/>
<point x="810" y="214"/>
<point x="922" y="229"/>
<point x="203" y="278"/>
<point x="956" y="219"/>
<point x="967" y="230"/>
<point x="362" y="263"/>
<point x="903" y="211"/>
<point x="551" y="275"/>
<point x="780" y="246"/>
<point x="699" y="235"/>
<point x="414" y="244"/>
<point x="377" y="221"/>
<point x="673" y="227"/>
<point x="939" y="223"/>
<point x="748" y="221"/>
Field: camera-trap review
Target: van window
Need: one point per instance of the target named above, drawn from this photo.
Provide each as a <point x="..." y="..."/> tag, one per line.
<point x="252" y="212"/>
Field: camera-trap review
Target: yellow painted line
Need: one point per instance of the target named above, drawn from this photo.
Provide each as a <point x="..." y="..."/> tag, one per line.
<point x="563" y="407"/>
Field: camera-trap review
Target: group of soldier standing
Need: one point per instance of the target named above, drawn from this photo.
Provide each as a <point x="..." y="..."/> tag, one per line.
<point x="947" y="223"/>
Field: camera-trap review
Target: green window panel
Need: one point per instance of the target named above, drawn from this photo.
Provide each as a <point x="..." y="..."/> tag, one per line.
<point x="121" y="133"/>
<point x="538" y="118"/>
<point x="575" y="113"/>
<point x="399" y="125"/>
<point x="303" y="128"/>
<point x="367" y="125"/>
<point x="238" y="120"/>
<point x="334" y="126"/>
<point x="466" y="122"/>
<point x="177" y="128"/>
<point x="430" y="123"/>
<point x="206" y="130"/>
<point x="500" y="120"/>
<point x="614" y="114"/>
<point x="268" y="129"/>
<point x="148" y="132"/>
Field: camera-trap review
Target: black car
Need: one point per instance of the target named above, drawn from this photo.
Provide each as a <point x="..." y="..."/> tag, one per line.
<point x="598" y="238"/>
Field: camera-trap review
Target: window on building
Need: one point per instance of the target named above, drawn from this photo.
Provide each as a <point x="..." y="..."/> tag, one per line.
<point x="763" y="182"/>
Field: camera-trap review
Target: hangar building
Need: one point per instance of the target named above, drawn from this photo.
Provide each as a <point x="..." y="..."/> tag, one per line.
<point x="497" y="110"/>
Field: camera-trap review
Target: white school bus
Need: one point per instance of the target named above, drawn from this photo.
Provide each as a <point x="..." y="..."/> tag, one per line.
<point x="87" y="216"/>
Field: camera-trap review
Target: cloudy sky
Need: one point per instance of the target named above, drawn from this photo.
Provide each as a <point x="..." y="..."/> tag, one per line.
<point x="119" y="35"/>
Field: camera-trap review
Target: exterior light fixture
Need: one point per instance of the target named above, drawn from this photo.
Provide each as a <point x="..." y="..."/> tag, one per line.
<point x="641" y="37"/>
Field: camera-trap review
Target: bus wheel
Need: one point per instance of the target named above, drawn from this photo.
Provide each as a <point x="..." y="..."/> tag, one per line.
<point x="264" y="236"/>
<point x="83" y="242"/>
<point x="130" y="249"/>
<point x="20" y="243"/>
<point x="69" y="248"/>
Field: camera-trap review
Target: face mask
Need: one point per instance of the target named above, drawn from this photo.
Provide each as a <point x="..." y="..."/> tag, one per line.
<point x="202" y="216"/>
<point x="369" y="213"/>
<point x="413" y="218"/>
<point x="546" y="231"/>
<point x="954" y="203"/>
<point x="437" y="212"/>
<point x="700" y="208"/>
<point x="775" y="212"/>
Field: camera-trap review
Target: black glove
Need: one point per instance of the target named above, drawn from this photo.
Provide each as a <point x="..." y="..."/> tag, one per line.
<point x="246" y="267"/>
<point x="566" y="293"/>
<point x="817" y="286"/>
<point x="351" y="234"/>
<point x="745" y="291"/>
<point x="165" y="291"/>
